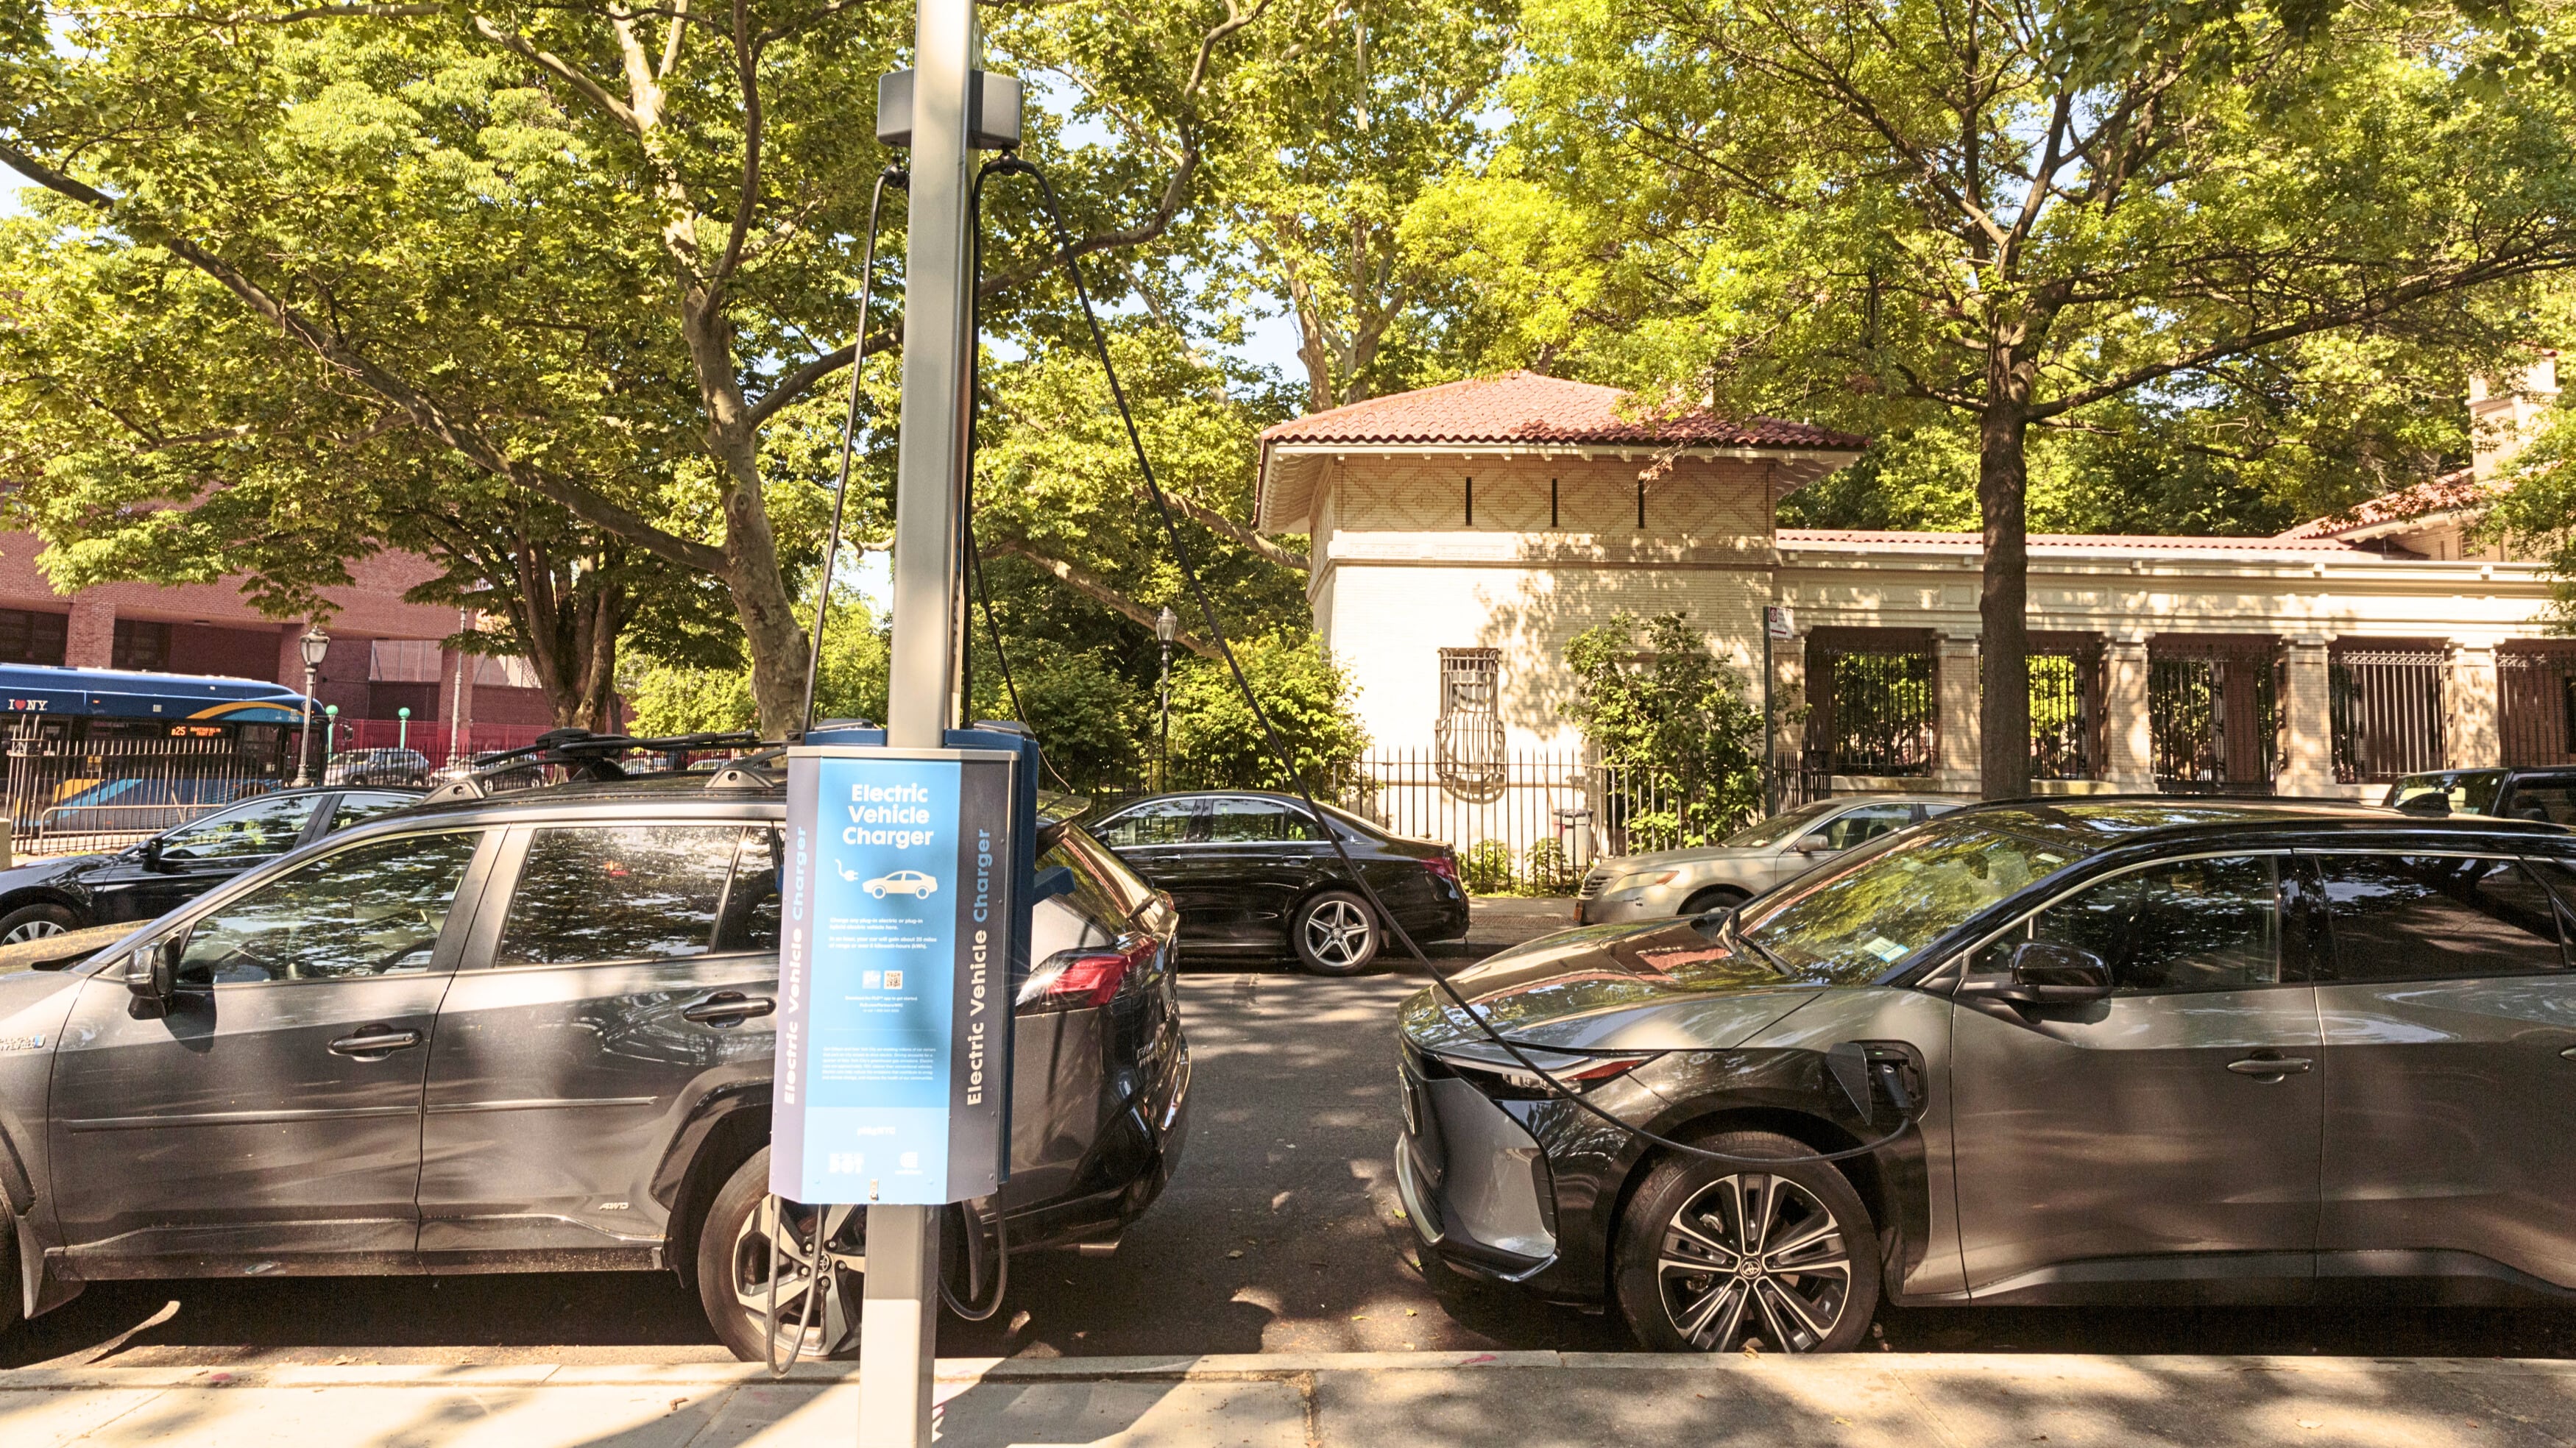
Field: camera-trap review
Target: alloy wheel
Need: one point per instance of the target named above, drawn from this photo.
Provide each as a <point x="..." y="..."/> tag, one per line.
<point x="36" y="929"/>
<point x="1754" y="1256"/>
<point x="1337" y="933"/>
<point x="776" y="1242"/>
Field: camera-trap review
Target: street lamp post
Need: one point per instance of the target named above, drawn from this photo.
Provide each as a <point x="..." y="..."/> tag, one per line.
<point x="315" y="646"/>
<point x="1167" y="627"/>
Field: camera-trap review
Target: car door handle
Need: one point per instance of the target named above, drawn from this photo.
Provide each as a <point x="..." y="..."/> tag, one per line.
<point x="729" y="1005"/>
<point x="375" y="1042"/>
<point x="2273" y="1066"/>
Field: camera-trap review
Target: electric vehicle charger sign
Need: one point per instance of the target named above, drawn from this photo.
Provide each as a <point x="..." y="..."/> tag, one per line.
<point x="895" y="1012"/>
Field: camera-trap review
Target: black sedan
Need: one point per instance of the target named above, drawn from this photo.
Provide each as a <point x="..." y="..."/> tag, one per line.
<point x="1253" y="873"/>
<point x="49" y="896"/>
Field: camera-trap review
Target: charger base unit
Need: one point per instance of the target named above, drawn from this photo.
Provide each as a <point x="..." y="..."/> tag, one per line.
<point x="992" y="103"/>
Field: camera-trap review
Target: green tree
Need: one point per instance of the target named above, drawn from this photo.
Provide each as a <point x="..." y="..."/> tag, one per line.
<point x="1878" y="211"/>
<point x="1671" y="724"/>
<point x="598" y="255"/>
<point x="1218" y="744"/>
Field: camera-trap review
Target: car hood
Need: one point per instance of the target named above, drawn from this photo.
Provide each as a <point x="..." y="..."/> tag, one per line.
<point x="1659" y="985"/>
<point x="51" y="867"/>
<point x="1696" y="855"/>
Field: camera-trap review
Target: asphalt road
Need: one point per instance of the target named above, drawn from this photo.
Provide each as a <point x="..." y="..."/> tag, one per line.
<point x="1279" y="1233"/>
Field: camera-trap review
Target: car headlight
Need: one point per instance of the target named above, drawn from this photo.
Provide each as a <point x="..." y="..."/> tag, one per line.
<point x="1643" y="880"/>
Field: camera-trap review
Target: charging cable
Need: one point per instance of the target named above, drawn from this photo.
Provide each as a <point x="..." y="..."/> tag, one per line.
<point x="1281" y="758"/>
<point x="814" y="1269"/>
<point x="1001" y="1263"/>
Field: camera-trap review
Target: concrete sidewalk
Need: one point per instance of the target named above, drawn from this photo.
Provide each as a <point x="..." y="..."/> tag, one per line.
<point x="1340" y="1400"/>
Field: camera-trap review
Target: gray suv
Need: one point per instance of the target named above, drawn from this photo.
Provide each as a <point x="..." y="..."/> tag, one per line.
<point x="529" y="1033"/>
<point x="1746" y="863"/>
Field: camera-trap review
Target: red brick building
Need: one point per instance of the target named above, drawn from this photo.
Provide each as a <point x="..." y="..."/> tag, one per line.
<point x="384" y="657"/>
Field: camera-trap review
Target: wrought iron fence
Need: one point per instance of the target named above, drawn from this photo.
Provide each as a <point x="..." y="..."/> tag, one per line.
<point x="72" y="796"/>
<point x="2214" y="721"/>
<point x="1873" y="711"/>
<point x="2387" y="712"/>
<point x="2536" y="705"/>
<point x="2065" y="715"/>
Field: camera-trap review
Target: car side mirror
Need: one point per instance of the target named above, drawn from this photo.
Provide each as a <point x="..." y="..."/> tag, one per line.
<point x="152" y="853"/>
<point x="2431" y="804"/>
<point x="152" y="975"/>
<point x="1818" y="843"/>
<point x="2045" y="973"/>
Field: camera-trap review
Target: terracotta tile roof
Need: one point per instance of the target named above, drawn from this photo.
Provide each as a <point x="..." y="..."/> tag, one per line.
<point x="2067" y="542"/>
<point x="2440" y="495"/>
<point x="1525" y="407"/>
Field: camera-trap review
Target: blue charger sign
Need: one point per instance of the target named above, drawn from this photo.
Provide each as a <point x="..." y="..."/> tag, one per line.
<point x="894" y="976"/>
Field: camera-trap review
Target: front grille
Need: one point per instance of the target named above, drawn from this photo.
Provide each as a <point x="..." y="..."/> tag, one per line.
<point x="1593" y="880"/>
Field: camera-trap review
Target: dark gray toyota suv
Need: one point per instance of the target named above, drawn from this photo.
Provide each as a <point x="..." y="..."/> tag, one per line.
<point x="530" y="1032"/>
<point x="2153" y="1050"/>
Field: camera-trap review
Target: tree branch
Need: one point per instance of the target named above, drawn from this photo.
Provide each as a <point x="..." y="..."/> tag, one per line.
<point x="562" y="70"/>
<point x="1092" y="586"/>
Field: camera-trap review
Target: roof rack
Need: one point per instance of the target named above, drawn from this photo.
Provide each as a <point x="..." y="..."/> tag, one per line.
<point x="594" y="757"/>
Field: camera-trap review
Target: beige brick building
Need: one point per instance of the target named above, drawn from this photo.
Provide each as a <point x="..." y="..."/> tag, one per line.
<point x="1462" y="534"/>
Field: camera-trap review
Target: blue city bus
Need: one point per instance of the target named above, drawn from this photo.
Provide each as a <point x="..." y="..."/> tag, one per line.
<point x="113" y="750"/>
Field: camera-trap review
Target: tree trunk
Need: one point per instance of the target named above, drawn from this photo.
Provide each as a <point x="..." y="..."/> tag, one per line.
<point x="2003" y="714"/>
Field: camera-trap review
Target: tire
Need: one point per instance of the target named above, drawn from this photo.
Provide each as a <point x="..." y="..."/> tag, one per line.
<point x="1335" y="934"/>
<point x="1715" y="897"/>
<point x="1691" y="1210"/>
<point x="13" y="1289"/>
<point x="734" y="1259"/>
<point x="35" y="922"/>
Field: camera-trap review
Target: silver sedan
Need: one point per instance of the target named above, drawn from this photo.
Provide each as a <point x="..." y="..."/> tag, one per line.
<point x="1746" y="863"/>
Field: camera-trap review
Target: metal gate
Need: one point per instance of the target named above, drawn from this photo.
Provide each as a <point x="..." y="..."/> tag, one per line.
<point x="2213" y="714"/>
<point x="1872" y="710"/>
<point x="2536" y="705"/>
<point x="2065" y="712"/>
<point x="2389" y="714"/>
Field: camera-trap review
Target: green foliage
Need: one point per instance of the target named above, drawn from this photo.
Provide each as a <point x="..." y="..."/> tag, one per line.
<point x="1485" y="868"/>
<point x="1673" y="725"/>
<point x="1545" y="870"/>
<point x="676" y="696"/>
<point x="2537" y="519"/>
<point x="1216" y="741"/>
<point x="1090" y="719"/>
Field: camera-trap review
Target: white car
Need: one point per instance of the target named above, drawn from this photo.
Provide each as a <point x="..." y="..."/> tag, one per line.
<point x="1746" y="863"/>
<point x="902" y="882"/>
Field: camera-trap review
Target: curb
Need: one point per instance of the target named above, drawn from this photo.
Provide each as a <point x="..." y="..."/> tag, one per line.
<point x="1242" y="1367"/>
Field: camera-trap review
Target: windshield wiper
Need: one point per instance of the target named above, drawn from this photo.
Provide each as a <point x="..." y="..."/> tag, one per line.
<point x="1735" y="928"/>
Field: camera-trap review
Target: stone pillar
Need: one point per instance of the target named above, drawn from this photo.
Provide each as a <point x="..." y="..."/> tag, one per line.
<point x="2476" y="701"/>
<point x="89" y="639"/>
<point x="1957" y="769"/>
<point x="1789" y="710"/>
<point x="2307" y="760"/>
<point x="2128" y="737"/>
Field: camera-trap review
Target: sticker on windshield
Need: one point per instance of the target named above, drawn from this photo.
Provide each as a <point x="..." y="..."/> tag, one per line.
<point x="1884" y="948"/>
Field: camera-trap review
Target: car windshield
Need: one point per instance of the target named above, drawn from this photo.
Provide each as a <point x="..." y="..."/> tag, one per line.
<point x="2471" y="791"/>
<point x="1782" y="826"/>
<point x="1853" y="922"/>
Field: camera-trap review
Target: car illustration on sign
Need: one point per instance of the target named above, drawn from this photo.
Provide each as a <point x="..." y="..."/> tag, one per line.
<point x="901" y="882"/>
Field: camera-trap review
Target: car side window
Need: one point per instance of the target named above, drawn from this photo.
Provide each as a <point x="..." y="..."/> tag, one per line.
<point x="748" y="919"/>
<point x="1868" y="823"/>
<point x="268" y="826"/>
<point x="1165" y="822"/>
<point x="2552" y="801"/>
<point x="2178" y="925"/>
<point x="364" y="804"/>
<point x="625" y="892"/>
<point x="2438" y="917"/>
<point x="1259" y="821"/>
<point x="375" y="909"/>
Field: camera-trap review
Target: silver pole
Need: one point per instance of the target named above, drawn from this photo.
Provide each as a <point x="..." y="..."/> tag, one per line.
<point x="898" y="1329"/>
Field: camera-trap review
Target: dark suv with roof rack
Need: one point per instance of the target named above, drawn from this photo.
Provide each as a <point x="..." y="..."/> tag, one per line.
<point x="529" y="1032"/>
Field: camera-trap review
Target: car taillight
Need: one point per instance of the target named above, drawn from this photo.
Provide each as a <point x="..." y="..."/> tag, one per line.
<point x="1071" y="980"/>
<point x="1444" y="865"/>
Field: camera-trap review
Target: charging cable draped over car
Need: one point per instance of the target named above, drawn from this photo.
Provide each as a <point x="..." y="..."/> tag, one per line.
<point x="1909" y="1107"/>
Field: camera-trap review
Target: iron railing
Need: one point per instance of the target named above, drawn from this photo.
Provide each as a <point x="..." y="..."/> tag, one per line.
<point x="1873" y="711"/>
<point x="2213" y="718"/>
<point x="2065" y="715"/>
<point x="2387" y="713"/>
<point x="74" y="796"/>
<point x="2536" y="706"/>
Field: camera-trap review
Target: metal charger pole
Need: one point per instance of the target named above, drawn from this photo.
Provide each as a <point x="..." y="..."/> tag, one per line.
<point x="898" y="1329"/>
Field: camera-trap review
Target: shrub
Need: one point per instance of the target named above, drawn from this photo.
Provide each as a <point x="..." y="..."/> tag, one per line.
<point x="1545" y="870"/>
<point x="1485" y="868"/>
